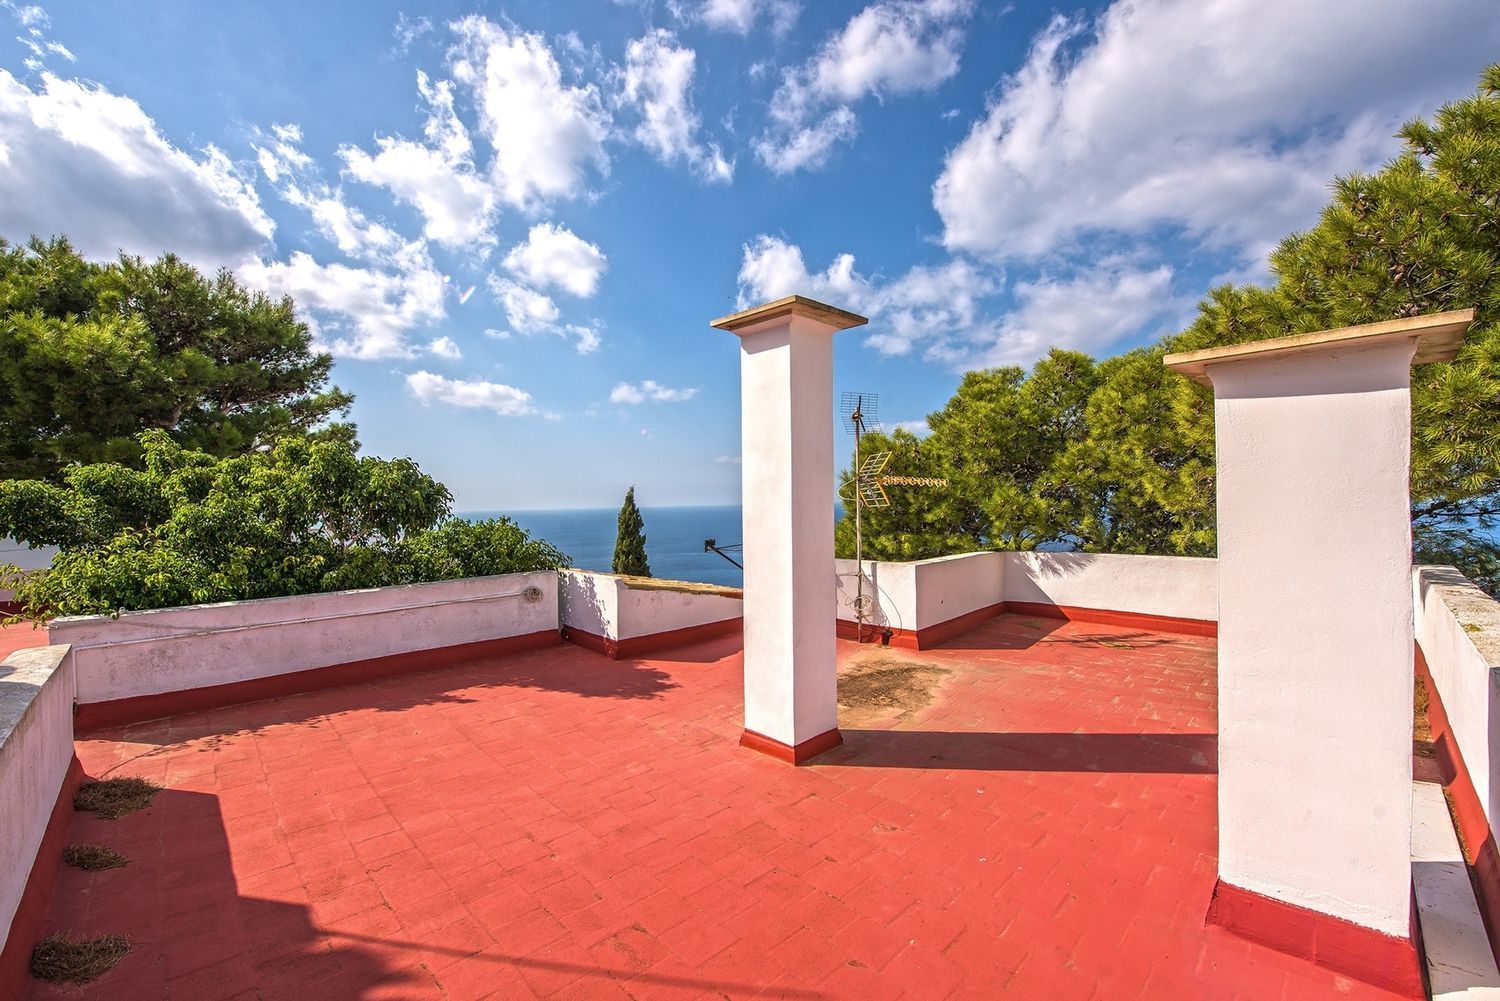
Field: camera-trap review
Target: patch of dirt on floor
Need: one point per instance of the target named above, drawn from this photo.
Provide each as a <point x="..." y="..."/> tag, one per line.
<point x="1421" y="730"/>
<point x="885" y="687"/>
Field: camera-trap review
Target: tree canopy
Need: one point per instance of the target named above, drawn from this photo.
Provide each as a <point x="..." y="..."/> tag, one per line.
<point x="305" y="515"/>
<point x="1118" y="455"/>
<point x="93" y="354"/>
<point x="630" y="540"/>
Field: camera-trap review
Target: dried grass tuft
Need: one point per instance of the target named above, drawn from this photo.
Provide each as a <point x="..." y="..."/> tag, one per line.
<point x="112" y="799"/>
<point x="93" y="857"/>
<point x="77" y="959"/>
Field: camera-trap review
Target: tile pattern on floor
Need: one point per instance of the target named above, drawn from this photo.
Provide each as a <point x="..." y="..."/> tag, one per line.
<point x="558" y="825"/>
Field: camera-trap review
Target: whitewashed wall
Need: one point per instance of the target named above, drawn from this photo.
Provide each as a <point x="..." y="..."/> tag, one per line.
<point x="614" y="608"/>
<point x="36" y="748"/>
<point x="18" y="554"/>
<point x="198" y="646"/>
<point x="1178" y="586"/>
<point x="922" y="593"/>
<point x="1458" y="629"/>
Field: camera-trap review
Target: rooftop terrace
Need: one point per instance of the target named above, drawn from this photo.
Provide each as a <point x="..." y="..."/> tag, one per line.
<point x="556" y="824"/>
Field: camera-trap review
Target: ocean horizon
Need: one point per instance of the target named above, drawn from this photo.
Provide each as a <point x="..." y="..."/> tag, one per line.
<point x="674" y="537"/>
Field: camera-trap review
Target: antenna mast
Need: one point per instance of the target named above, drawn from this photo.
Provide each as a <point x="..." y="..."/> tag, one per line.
<point x="860" y="413"/>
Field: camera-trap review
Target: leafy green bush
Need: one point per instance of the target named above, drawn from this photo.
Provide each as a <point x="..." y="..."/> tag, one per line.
<point x="307" y="515"/>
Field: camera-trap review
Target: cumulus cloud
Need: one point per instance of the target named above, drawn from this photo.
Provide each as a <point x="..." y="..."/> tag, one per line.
<point x="926" y="306"/>
<point x="1222" y="121"/>
<point x="548" y="135"/>
<point x="740" y="16"/>
<point x="656" y="82"/>
<point x="648" y="389"/>
<point x="507" y="401"/>
<point x="526" y="310"/>
<point x="729" y="460"/>
<point x="358" y="312"/>
<point x="436" y="177"/>
<point x="445" y="347"/>
<point x="80" y="160"/>
<point x="918" y="427"/>
<point x="1087" y="311"/>
<point x="530" y="312"/>
<point x="553" y="257"/>
<point x="889" y="48"/>
<point x="297" y="179"/>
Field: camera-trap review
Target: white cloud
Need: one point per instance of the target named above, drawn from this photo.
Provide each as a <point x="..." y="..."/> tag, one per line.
<point x="445" y="347"/>
<point x="918" y="428"/>
<point x="546" y="133"/>
<point x="526" y="310"/>
<point x="356" y="311"/>
<point x="889" y="48"/>
<point x="1224" y="121"/>
<point x="530" y="312"/>
<point x="729" y="460"/>
<point x="1090" y="311"/>
<point x="91" y="164"/>
<point x="508" y="401"/>
<point x="656" y="81"/>
<point x="740" y="16"/>
<point x="437" y="177"/>
<point x="925" y="306"/>
<point x="552" y="256"/>
<point x="648" y="389"/>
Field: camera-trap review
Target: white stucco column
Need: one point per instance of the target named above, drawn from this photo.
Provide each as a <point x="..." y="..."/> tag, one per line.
<point x="786" y="413"/>
<point x="1315" y="618"/>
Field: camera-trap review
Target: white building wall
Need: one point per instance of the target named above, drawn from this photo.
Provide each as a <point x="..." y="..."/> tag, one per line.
<point x="1178" y="586"/>
<point x="176" y="649"/>
<point x="1458" y="628"/>
<point x="36" y="748"/>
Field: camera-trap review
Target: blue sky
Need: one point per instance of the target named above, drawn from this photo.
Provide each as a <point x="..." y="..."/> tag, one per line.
<point x="512" y="223"/>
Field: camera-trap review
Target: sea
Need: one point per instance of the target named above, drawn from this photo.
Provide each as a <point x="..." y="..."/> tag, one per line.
<point x="674" y="538"/>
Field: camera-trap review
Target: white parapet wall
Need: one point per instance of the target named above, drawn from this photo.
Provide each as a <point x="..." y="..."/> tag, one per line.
<point x="1458" y="630"/>
<point x="921" y="600"/>
<point x="36" y="751"/>
<point x="152" y="653"/>
<point x="1171" y="587"/>
<point x="924" y="602"/>
<point x="24" y="557"/>
<point x="622" y="616"/>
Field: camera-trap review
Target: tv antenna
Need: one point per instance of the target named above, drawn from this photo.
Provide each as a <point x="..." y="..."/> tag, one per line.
<point x="860" y="412"/>
<point x="712" y="546"/>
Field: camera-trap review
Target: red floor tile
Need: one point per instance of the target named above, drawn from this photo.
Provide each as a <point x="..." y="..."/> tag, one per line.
<point x="558" y="825"/>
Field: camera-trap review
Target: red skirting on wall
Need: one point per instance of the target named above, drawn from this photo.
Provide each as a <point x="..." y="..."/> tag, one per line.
<point x="637" y="646"/>
<point x="930" y="636"/>
<point x="1109" y="617"/>
<point x="1386" y="961"/>
<point x="120" y="712"/>
<point x="802" y="753"/>
<point x="25" y="927"/>
<point x="1473" y="824"/>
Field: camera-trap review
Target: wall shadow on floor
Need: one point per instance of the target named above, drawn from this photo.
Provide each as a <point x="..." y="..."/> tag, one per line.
<point x="1144" y="753"/>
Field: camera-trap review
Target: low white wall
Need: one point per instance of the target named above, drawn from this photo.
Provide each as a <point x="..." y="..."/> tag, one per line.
<point x="921" y="593"/>
<point x="617" y="608"/>
<point x="1458" y="629"/>
<point x="18" y="554"/>
<point x="175" y="649"/>
<point x="36" y="747"/>
<point x="1185" y="587"/>
<point x="891" y="588"/>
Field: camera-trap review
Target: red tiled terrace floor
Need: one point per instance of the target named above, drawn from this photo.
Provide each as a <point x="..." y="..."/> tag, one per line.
<point x="557" y="825"/>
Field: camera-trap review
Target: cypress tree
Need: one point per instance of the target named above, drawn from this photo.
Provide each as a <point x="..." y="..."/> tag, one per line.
<point x="630" y="540"/>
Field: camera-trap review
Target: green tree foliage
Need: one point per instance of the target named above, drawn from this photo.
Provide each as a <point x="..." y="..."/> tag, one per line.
<point x="1118" y="456"/>
<point x="93" y="354"/>
<point x="306" y="515"/>
<point x="630" y="540"/>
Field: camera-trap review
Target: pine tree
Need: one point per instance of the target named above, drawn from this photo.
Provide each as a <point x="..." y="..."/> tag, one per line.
<point x="630" y="540"/>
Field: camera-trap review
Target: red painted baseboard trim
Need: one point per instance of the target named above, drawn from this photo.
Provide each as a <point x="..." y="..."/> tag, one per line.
<point x="802" y="753"/>
<point x="26" y="926"/>
<point x="1473" y="824"/>
<point x="1390" y="962"/>
<point x="120" y="712"/>
<point x="636" y="646"/>
<point x="1106" y="616"/>
<point x="941" y="632"/>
